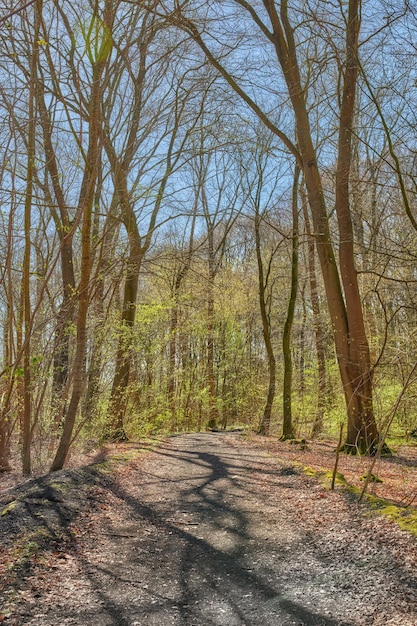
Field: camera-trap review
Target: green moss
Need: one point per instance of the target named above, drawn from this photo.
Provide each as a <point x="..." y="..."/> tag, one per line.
<point x="24" y="549"/>
<point x="56" y="485"/>
<point x="406" y="518"/>
<point x="339" y="478"/>
<point x="325" y="477"/>
<point x="9" y="508"/>
<point x="372" y="479"/>
<point x="309" y="471"/>
<point x="391" y="511"/>
<point x="30" y="548"/>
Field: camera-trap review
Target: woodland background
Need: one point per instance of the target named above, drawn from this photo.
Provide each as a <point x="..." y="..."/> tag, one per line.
<point x="160" y="248"/>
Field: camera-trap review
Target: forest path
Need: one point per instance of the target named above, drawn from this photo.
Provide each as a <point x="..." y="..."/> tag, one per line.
<point x="205" y="531"/>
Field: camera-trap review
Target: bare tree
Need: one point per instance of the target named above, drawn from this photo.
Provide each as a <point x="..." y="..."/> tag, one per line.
<point x="343" y="296"/>
<point x="98" y="50"/>
<point x="171" y="124"/>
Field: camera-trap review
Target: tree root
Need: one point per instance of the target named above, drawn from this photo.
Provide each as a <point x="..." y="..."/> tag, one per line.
<point x="371" y="450"/>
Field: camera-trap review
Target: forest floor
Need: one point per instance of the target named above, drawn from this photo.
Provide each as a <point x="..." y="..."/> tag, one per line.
<point x="210" y="529"/>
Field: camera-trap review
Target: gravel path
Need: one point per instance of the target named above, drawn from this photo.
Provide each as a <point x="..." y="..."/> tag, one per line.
<point x="208" y="532"/>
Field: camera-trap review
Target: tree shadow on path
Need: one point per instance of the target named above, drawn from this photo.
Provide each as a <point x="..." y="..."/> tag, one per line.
<point x="198" y="560"/>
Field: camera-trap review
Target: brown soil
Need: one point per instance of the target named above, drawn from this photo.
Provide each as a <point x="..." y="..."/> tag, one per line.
<point x="207" y="529"/>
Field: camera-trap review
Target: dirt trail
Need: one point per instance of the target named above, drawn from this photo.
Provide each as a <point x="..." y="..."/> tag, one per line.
<point x="207" y="532"/>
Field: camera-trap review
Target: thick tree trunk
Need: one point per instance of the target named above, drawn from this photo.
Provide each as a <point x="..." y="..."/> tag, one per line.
<point x="91" y="403"/>
<point x="287" y="424"/>
<point x="66" y="318"/>
<point x="64" y="328"/>
<point x="4" y="446"/>
<point x="317" y="324"/>
<point x="362" y="432"/>
<point x="346" y="314"/>
<point x="5" y="425"/>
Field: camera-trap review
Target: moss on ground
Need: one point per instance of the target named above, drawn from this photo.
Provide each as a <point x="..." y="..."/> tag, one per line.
<point x="42" y="511"/>
<point x="9" y="508"/>
<point x="404" y="517"/>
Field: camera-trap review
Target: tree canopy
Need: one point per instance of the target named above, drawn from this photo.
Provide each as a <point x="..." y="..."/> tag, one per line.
<point x="208" y="218"/>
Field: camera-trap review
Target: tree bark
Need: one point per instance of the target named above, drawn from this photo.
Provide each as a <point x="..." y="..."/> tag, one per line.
<point x="173" y="329"/>
<point x="287" y="424"/>
<point x="346" y="314"/>
<point x="86" y="203"/>
<point x="27" y="391"/>
<point x="362" y="432"/>
<point x="5" y="424"/>
<point x="66" y="314"/>
<point x="265" y="425"/>
<point x="118" y="397"/>
<point x="317" y="324"/>
<point x="211" y="380"/>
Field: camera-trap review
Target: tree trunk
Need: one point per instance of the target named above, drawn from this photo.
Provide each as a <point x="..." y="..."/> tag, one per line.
<point x="86" y="203"/>
<point x="362" y="432"/>
<point x="317" y="324"/>
<point x="118" y="397"/>
<point x="27" y="392"/>
<point x="211" y="379"/>
<point x="346" y="314"/>
<point x="7" y="382"/>
<point x="5" y="425"/>
<point x="4" y="445"/>
<point x="66" y="313"/>
<point x="264" y="427"/>
<point x="287" y="425"/>
<point x="91" y="402"/>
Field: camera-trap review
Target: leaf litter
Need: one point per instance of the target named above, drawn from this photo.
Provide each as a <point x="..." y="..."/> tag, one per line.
<point x="208" y="528"/>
